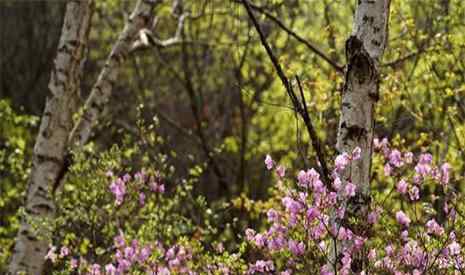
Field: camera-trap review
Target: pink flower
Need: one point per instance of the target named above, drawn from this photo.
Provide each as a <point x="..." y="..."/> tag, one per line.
<point x="445" y="173"/>
<point x="395" y="158"/>
<point x="73" y="263"/>
<point x="387" y="170"/>
<point x="281" y="171"/>
<point x="296" y="248"/>
<point x="273" y="216"/>
<point x="337" y="183"/>
<point x="372" y="254"/>
<point x="303" y="178"/>
<point x="434" y="228"/>
<point x="51" y="254"/>
<point x="350" y="189"/>
<point x="402" y="219"/>
<point x="414" y="193"/>
<point x="118" y="189"/>
<point x="250" y="234"/>
<point x="425" y="158"/>
<point x="269" y="162"/>
<point x="312" y="213"/>
<point x="373" y="216"/>
<point x="110" y="269"/>
<point x="157" y="187"/>
<point x="454" y="248"/>
<point x="64" y="251"/>
<point x="292" y="205"/>
<point x="401" y="186"/>
<point x="408" y="157"/>
<point x="326" y="270"/>
<point x="141" y="199"/>
<point x="95" y="269"/>
<point x="342" y="161"/>
<point x="356" y="153"/>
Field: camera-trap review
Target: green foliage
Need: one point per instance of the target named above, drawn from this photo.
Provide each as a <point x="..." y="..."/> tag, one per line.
<point x="16" y="139"/>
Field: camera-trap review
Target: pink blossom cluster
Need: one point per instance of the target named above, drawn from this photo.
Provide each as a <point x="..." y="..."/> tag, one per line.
<point x="307" y="220"/>
<point x="140" y="182"/>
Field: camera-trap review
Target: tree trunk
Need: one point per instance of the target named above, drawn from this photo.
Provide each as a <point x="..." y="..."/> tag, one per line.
<point x="140" y="18"/>
<point x="51" y="143"/>
<point x="364" y="49"/>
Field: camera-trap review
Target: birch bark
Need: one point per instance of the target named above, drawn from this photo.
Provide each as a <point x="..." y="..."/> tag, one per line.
<point x="364" y="49"/>
<point x="51" y="143"/>
<point x="141" y="18"/>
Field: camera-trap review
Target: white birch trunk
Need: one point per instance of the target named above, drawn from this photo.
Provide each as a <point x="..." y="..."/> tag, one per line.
<point x="51" y="143"/>
<point x="140" y="18"/>
<point x="364" y="49"/>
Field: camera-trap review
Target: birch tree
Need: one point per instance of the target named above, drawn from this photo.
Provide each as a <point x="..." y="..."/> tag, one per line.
<point x="56" y="137"/>
<point x="51" y="143"/>
<point x="135" y="33"/>
<point x="364" y="49"/>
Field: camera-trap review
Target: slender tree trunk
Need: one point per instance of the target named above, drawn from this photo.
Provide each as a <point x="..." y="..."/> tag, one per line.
<point x="364" y="49"/>
<point x="51" y="143"/>
<point x="141" y="18"/>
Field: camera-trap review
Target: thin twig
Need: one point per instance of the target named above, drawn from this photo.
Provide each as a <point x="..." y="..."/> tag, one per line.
<point x="339" y="68"/>
<point x="290" y="91"/>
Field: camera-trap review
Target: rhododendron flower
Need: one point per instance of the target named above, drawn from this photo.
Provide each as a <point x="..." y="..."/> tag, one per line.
<point x="296" y="248"/>
<point x="372" y="254"/>
<point x="434" y="228"/>
<point x="142" y="199"/>
<point x="118" y="189"/>
<point x="95" y="269"/>
<point x="326" y="270"/>
<point x="281" y="171"/>
<point x="408" y="157"/>
<point x="261" y="266"/>
<point x="350" y="189"/>
<point x="395" y="158"/>
<point x="303" y="179"/>
<point x="250" y="234"/>
<point x="51" y="254"/>
<point x="373" y="217"/>
<point x="269" y="162"/>
<point x="445" y="170"/>
<point x="292" y="205"/>
<point x="73" y="263"/>
<point x="337" y="183"/>
<point x="157" y="187"/>
<point x="401" y="186"/>
<point x="387" y="170"/>
<point x="454" y="248"/>
<point x="341" y="161"/>
<point x="64" y="251"/>
<point x="414" y="193"/>
<point x="356" y="153"/>
<point x="425" y="158"/>
<point x="110" y="269"/>
<point x="402" y="218"/>
<point x="273" y="216"/>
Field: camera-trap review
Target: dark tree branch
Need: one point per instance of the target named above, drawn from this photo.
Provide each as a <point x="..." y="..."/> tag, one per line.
<point x="196" y="113"/>
<point x="339" y="68"/>
<point x="302" y="111"/>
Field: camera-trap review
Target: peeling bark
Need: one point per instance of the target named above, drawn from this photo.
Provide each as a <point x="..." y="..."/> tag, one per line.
<point x="141" y="18"/>
<point x="364" y="49"/>
<point x="51" y="143"/>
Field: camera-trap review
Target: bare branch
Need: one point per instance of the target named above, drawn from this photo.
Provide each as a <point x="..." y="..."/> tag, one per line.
<point x="339" y="68"/>
<point x="290" y="91"/>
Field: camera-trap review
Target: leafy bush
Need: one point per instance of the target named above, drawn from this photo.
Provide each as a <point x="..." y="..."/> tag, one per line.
<point x="16" y="137"/>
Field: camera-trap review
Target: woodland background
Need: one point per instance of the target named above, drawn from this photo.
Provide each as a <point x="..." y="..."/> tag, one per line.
<point x="211" y="108"/>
